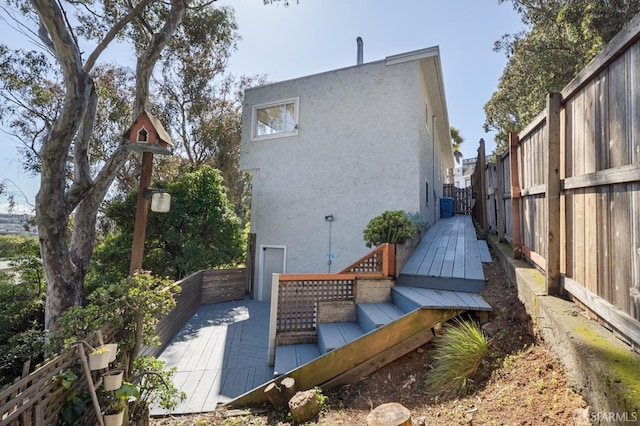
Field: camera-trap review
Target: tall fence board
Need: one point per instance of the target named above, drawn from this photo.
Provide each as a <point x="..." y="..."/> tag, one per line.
<point x="599" y="180"/>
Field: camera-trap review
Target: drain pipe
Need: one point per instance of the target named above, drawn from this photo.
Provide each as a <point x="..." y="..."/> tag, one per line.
<point x="329" y="218"/>
<point x="360" y="57"/>
<point x="433" y="161"/>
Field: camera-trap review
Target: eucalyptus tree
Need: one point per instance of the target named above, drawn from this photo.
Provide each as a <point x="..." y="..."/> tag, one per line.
<point x="562" y="36"/>
<point x="51" y="99"/>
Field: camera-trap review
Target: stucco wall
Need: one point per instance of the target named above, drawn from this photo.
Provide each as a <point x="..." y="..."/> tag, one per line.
<point x="357" y="153"/>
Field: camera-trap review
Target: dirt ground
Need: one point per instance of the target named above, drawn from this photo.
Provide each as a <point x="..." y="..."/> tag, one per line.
<point x="520" y="382"/>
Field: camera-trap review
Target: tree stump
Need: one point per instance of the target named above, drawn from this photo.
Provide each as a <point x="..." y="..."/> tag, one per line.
<point x="280" y="393"/>
<point x="304" y="406"/>
<point x="390" y="414"/>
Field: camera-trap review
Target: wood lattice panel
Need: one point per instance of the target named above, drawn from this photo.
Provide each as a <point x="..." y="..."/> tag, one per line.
<point x="297" y="301"/>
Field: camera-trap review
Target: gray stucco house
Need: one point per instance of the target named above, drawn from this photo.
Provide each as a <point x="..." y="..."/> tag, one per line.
<point x="328" y="152"/>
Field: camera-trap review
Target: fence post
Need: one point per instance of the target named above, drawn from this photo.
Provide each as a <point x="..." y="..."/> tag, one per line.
<point x="515" y="195"/>
<point x="552" y="193"/>
<point x="482" y="185"/>
<point x="499" y="197"/>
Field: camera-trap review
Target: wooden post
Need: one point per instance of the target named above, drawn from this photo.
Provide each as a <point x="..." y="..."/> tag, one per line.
<point x="515" y="195"/>
<point x="142" y="211"/>
<point x="499" y="197"/>
<point x="482" y="185"/>
<point x="273" y="319"/>
<point x="552" y="211"/>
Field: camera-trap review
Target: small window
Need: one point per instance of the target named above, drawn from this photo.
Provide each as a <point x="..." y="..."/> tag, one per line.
<point x="275" y="119"/>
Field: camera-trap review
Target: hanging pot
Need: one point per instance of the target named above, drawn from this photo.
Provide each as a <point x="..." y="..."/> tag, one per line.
<point x="113" y="419"/>
<point x="99" y="359"/>
<point x="112" y="380"/>
<point x="113" y="350"/>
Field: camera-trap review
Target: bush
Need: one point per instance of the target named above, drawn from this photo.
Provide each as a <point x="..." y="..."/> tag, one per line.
<point x="393" y="227"/>
<point x="458" y="355"/>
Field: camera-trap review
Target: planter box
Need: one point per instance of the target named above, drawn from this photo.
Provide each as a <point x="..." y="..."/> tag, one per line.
<point x="98" y="361"/>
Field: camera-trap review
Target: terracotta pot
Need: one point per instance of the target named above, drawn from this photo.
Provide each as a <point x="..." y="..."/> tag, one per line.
<point x="98" y="361"/>
<point x="113" y="419"/>
<point x="112" y="380"/>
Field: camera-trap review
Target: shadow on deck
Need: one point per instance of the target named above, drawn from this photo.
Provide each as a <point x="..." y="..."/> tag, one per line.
<point x="219" y="354"/>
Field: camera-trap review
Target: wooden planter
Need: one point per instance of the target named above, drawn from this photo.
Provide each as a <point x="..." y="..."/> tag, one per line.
<point x="113" y="419"/>
<point x="98" y="361"/>
<point x="112" y="380"/>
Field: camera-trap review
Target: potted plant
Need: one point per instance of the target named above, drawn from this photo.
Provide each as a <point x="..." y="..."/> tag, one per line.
<point x="114" y="403"/>
<point x="99" y="358"/>
<point x="112" y="380"/>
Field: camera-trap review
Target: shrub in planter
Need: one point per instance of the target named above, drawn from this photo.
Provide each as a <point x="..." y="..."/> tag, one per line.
<point x="392" y="226"/>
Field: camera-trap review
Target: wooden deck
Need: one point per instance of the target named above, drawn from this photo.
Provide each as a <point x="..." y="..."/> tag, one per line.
<point x="220" y="354"/>
<point x="449" y="257"/>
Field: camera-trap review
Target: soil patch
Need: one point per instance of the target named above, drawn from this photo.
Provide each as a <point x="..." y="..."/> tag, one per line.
<point x="520" y="382"/>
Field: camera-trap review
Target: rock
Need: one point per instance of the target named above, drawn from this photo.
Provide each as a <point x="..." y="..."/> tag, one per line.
<point x="304" y="406"/>
<point x="490" y="328"/>
<point x="390" y="414"/>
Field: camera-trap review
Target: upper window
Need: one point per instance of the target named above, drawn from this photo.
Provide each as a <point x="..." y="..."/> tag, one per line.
<point x="275" y="119"/>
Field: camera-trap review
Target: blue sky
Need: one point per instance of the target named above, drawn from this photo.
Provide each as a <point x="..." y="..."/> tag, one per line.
<point x="320" y="35"/>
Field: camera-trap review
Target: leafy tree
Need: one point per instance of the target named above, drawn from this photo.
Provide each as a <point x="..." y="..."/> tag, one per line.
<point x="59" y="88"/>
<point x="200" y="231"/>
<point x="562" y="37"/>
<point x="22" y="294"/>
<point x="457" y="140"/>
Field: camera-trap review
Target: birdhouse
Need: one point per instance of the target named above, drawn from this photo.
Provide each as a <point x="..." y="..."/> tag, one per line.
<point x="147" y="134"/>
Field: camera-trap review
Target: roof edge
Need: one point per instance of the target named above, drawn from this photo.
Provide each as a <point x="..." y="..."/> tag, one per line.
<point x="414" y="55"/>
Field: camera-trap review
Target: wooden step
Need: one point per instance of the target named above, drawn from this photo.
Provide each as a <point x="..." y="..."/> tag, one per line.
<point x="336" y="334"/>
<point x="374" y="315"/>
<point x="410" y="298"/>
<point x="290" y="357"/>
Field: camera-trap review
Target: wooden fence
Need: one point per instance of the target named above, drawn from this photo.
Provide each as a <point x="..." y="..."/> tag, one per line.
<point x="462" y="198"/>
<point x="574" y="174"/>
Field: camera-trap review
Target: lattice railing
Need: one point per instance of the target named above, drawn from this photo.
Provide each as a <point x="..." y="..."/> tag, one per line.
<point x="298" y="296"/>
<point x="380" y="260"/>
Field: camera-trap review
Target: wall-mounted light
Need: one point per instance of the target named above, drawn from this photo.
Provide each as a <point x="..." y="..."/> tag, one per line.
<point x="329" y="218"/>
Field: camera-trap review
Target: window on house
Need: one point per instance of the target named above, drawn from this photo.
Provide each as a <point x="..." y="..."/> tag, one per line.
<point x="275" y="119"/>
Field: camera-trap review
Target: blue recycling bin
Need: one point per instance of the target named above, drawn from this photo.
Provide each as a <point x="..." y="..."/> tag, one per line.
<point x="446" y="207"/>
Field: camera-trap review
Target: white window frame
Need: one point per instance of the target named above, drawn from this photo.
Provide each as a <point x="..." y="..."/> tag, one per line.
<point x="254" y="119"/>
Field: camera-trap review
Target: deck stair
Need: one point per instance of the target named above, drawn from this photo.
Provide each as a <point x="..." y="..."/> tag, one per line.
<point x="370" y="317"/>
<point x="437" y="286"/>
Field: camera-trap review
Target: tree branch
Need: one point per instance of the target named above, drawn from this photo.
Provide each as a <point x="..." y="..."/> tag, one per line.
<point x="113" y="32"/>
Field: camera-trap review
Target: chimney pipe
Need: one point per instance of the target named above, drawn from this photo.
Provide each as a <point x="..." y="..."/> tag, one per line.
<point x="360" y="53"/>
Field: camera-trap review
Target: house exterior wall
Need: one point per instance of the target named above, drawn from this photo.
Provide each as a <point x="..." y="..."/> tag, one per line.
<point x="361" y="148"/>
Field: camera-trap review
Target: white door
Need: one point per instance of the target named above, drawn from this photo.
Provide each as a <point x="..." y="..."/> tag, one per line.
<point x="272" y="261"/>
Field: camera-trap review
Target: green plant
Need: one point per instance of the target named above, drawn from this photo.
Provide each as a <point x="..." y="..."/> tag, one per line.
<point x="392" y="226"/>
<point x="419" y="221"/>
<point x="115" y="401"/>
<point x="458" y="355"/>
<point x="133" y="306"/>
<point x="320" y="397"/>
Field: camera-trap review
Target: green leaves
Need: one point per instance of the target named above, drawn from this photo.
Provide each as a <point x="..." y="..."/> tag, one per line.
<point x="562" y="37"/>
<point x="393" y="227"/>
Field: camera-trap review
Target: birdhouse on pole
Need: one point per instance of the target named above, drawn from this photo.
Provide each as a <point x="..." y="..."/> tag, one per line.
<point x="147" y="134"/>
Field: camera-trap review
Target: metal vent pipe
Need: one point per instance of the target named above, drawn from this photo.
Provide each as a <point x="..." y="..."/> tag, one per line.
<point x="360" y="51"/>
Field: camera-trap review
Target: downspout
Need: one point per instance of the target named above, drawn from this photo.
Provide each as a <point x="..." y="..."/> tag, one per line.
<point x="433" y="161"/>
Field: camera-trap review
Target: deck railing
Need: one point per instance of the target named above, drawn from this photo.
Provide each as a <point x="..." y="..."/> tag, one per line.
<point x="295" y="297"/>
<point x="380" y="260"/>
